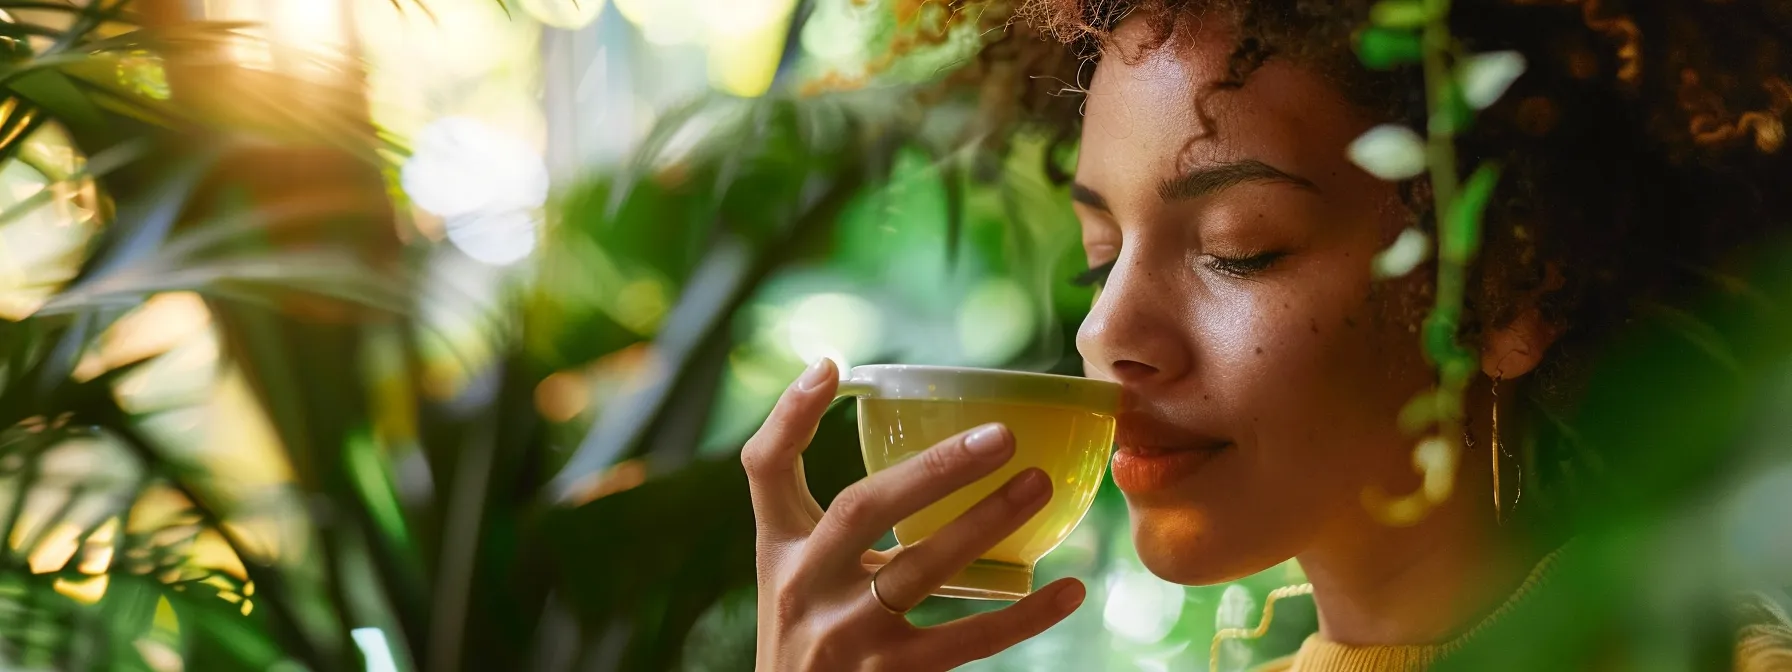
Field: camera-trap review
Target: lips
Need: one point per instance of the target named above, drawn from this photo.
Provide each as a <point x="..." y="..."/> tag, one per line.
<point x="1155" y="455"/>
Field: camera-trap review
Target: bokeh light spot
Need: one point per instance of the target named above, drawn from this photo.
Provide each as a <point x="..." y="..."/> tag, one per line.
<point x="460" y="166"/>
<point x="641" y="304"/>
<point x="1236" y="607"/>
<point x="1755" y="531"/>
<point x="494" y="238"/>
<point x="663" y="22"/>
<point x="838" y="326"/>
<point x="562" y="396"/>
<point x="564" y="14"/>
<point x="744" y="63"/>
<point x="1141" y="607"/>
<point x="142" y="72"/>
<point x="995" y="321"/>
<point x="835" y="33"/>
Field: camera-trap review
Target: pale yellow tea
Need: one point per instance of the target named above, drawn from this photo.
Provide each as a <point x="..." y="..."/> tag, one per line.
<point x="1071" y="445"/>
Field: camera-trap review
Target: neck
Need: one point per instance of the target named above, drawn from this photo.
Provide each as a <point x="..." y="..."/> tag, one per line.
<point x="1381" y="585"/>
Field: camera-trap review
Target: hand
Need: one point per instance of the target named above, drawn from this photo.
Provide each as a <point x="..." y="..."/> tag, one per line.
<point x="816" y="611"/>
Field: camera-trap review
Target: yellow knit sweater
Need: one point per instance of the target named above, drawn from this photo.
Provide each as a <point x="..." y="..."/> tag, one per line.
<point x="1765" y="645"/>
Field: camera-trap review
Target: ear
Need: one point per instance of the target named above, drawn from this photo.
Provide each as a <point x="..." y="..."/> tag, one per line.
<point x="1515" y="349"/>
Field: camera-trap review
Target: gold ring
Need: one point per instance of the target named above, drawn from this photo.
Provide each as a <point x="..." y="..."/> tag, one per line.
<point x="879" y="598"/>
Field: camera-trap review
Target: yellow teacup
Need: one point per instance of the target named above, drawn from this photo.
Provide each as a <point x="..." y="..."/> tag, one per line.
<point x="1062" y="425"/>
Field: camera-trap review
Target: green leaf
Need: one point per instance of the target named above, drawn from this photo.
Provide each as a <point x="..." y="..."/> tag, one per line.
<point x="1384" y="48"/>
<point x="372" y="479"/>
<point x="1399" y="14"/>
<point x="98" y="165"/>
<point x="1462" y="229"/>
<point x="1696" y="331"/>
<point x="17" y="129"/>
<point x="1440" y="334"/>
<point x="129" y="609"/>
<point x="218" y="635"/>
<point x="1390" y="151"/>
<point x="141" y="224"/>
<point x="1412" y="248"/>
<point x="1454" y="362"/>
<point x="264" y="279"/>
<point x="1483" y="78"/>
<point x="58" y="96"/>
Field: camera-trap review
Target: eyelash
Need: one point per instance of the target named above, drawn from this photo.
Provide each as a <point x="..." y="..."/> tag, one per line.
<point x="1096" y="275"/>
<point x="1237" y="267"/>
<point x="1246" y="266"/>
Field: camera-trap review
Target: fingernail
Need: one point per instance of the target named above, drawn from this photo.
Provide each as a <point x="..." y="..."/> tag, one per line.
<point x="1030" y="486"/>
<point x="815" y="375"/>
<point x="987" y="441"/>
<point x="1070" y="596"/>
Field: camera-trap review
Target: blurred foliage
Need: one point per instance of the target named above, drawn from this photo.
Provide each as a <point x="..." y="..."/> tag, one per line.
<point x="572" y="500"/>
<point x="1687" y="526"/>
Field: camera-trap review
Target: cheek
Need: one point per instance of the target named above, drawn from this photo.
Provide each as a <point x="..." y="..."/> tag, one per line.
<point x="1316" y="371"/>
<point x="1280" y="340"/>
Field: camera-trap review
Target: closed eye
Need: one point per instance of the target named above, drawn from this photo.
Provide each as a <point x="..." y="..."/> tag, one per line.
<point x="1237" y="267"/>
<point x="1243" y="267"/>
<point x="1094" y="276"/>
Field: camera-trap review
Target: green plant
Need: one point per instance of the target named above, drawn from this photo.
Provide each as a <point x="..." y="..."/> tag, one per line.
<point x="1456" y="85"/>
<point x="214" y="183"/>
<point x="464" y="528"/>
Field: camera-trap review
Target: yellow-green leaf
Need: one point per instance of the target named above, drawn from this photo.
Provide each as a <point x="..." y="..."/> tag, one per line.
<point x="1399" y="14"/>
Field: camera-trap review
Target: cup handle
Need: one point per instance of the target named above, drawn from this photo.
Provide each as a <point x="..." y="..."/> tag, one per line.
<point x="853" y="388"/>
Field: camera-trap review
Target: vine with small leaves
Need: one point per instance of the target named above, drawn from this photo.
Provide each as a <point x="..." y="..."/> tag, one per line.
<point x="1457" y="84"/>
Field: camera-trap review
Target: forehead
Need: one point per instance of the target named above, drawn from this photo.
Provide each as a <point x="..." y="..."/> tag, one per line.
<point x="1160" y="111"/>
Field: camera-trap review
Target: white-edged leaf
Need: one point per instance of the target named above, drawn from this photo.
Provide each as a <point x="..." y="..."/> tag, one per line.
<point x="1390" y="151"/>
<point x="1412" y="248"/>
<point x="1485" y="77"/>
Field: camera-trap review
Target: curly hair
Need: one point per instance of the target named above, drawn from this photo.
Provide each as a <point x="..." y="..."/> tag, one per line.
<point x="1643" y="147"/>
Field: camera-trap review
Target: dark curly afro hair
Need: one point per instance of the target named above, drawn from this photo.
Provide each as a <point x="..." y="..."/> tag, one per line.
<point x="1644" y="147"/>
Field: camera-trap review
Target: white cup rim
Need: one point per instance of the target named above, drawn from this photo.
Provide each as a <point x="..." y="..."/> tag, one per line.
<point x="960" y="383"/>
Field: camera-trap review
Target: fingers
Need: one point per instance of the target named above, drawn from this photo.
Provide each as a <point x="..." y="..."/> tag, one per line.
<point x="781" y="499"/>
<point x="864" y="510"/>
<point x="810" y="506"/>
<point x="872" y="560"/>
<point x="928" y="563"/>
<point x="986" y="634"/>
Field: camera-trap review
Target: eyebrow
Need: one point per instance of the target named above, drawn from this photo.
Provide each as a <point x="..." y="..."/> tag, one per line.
<point x="1203" y="181"/>
<point x="1209" y="179"/>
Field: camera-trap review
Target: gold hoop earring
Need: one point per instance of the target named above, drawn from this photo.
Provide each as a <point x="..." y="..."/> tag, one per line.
<point x="1494" y="450"/>
<point x="1498" y="452"/>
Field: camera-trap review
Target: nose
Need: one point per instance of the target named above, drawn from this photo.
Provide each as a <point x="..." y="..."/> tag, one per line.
<point x="1135" y="333"/>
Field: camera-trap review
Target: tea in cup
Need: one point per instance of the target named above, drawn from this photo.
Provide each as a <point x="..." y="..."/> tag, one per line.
<point x="1062" y="425"/>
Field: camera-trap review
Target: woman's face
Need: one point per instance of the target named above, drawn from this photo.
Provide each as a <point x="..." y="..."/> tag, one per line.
<point x="1262" y="366"/>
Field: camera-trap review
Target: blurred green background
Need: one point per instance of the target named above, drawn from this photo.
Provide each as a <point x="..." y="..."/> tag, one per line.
<point x="384" y="334"/>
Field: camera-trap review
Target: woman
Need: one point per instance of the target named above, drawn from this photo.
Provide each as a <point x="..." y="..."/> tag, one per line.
<point x="1264" y="367"/>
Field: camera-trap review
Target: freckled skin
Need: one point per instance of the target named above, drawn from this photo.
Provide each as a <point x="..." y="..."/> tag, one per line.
<point x="1308" y="408"/>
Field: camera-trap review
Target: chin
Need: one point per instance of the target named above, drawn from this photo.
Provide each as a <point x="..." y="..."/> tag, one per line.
<point x="1192" y="547"/>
